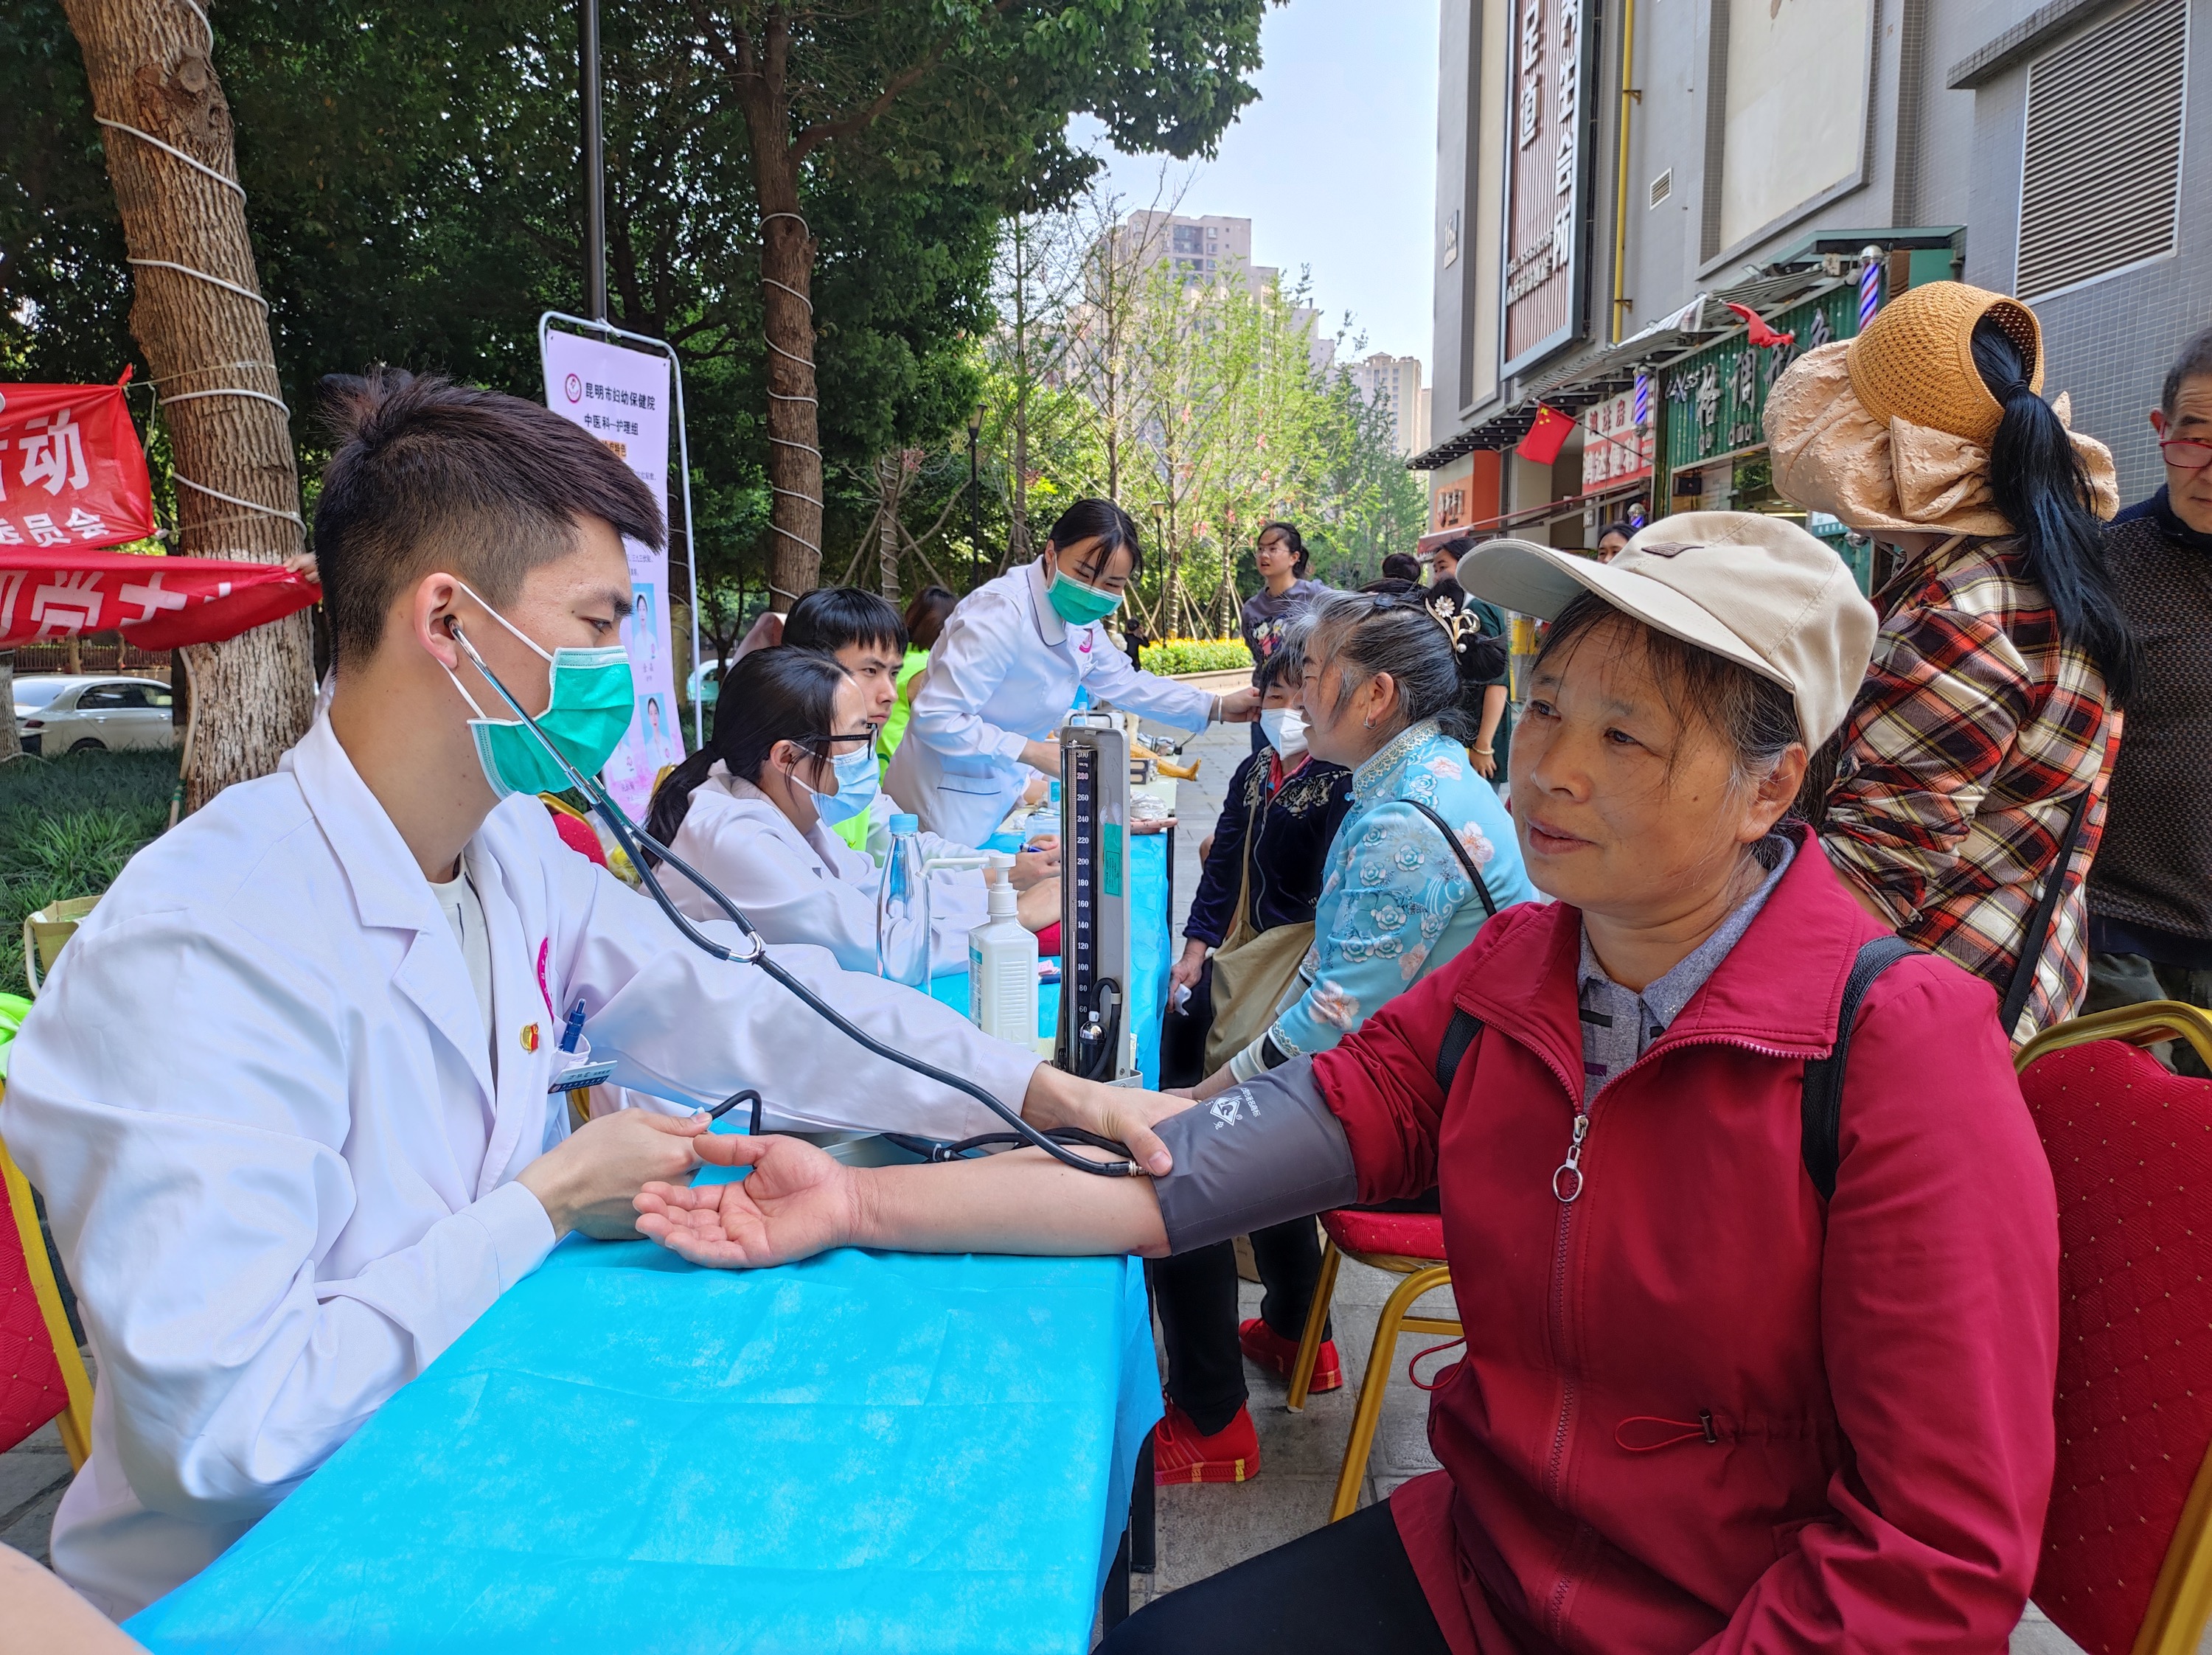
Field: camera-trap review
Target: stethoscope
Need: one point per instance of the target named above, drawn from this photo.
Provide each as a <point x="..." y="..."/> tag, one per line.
<point x="643" y="849"/>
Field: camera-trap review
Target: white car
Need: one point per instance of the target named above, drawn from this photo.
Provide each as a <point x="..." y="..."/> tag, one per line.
<point x="55" y="713"/>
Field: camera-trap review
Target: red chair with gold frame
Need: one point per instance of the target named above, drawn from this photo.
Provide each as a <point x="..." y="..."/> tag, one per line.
<point x="41" y="1375"/>
<point x="1411" y="1244"/>
<point x="2127" y="1546"/>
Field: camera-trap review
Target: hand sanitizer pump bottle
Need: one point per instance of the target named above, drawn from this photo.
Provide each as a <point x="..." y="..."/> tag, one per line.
<point x="1002" y="964"/>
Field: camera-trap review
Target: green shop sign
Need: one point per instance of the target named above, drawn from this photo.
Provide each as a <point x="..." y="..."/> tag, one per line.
<point x="1716" y="400"/>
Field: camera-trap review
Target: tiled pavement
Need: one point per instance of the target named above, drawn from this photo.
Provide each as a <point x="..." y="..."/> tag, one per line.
<point x="1201" y="1530"/>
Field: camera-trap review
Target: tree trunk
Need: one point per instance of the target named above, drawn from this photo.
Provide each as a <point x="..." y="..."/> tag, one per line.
<point x="148" y="63"/>
<point x="891" y="476"/>
<point x="11" y="743"/>
<point x="1017" y="536"/>
<point x="794" y="443"/>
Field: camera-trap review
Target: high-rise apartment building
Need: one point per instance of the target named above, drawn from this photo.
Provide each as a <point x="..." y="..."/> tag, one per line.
<point x="1200" y="248"/>
<point x="1211" y="249"/>
<point x="1393" y="383"/>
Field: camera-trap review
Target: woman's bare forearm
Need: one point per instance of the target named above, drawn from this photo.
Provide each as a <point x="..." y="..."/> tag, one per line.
<point x="1022" y="1202"/>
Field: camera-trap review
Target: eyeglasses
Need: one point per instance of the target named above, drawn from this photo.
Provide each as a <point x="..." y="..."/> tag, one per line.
<point x="2186" y="453"/>
<point x="828" y="746"/>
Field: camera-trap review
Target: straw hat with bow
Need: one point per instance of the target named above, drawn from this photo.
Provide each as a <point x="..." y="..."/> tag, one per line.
<point x="1891" y="430"/>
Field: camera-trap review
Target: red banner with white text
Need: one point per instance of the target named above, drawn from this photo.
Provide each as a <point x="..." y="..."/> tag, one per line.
<point x="72" y="470"/>
<point x="155" y="602"/>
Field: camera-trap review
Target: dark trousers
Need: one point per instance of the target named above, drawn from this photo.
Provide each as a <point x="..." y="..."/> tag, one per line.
<point x="1343" y="1588"/>
<point x="1195" y="1294"/>
<point x="2127" y="979"/>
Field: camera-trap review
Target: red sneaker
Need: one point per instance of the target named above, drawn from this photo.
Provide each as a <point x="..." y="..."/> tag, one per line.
<point x="1279" y="1356"/>
<point x="1179" y="1454"/>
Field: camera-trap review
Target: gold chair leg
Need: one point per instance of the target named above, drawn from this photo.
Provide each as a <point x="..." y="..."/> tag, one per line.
<point x="1316" y="1320"/>
<point x="1381" y="1358"/>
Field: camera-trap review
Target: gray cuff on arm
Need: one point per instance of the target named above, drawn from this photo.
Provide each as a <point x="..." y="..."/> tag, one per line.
<point x="1259" y="1154"/>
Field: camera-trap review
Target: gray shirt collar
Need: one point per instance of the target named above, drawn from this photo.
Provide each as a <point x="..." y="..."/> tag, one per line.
<point x="1618" y="1024"/>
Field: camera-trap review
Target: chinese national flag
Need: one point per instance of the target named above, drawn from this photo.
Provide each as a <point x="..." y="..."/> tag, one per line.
<point x="1547" y="437"/>
<point x="72" y="470"/>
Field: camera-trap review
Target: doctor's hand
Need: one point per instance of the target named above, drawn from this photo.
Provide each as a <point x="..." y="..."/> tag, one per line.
<point x="1039" y="863"/>
<point x="1122" y="1113"/>
<point x="795" y="1202"/>
<point x="1044" y="758"/>
<point x="1240" y="707"/>
<point x="588" y="1181"/>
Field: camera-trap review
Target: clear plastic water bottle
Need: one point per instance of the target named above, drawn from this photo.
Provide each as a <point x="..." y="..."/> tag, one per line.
<point x="1044" y="820"/>
<point x="902" y="909"/>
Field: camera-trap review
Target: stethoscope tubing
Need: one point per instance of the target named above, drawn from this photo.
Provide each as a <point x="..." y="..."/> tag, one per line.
<point x="636" y="844"/>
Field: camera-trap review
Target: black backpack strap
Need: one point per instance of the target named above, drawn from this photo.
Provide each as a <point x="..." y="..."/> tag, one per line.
<point x="1822" y="1106"/>
<point x="1481" y="890"/>
<point x="1465" y="1026"/>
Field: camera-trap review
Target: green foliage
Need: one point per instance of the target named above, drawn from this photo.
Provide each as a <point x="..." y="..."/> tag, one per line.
<point x="414" y="197"/>
<point x="1196" y="655"/>
<point x="67" y="825"/>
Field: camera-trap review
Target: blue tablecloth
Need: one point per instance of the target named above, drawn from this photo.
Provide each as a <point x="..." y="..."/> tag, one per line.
<point x="864" y="1451"/>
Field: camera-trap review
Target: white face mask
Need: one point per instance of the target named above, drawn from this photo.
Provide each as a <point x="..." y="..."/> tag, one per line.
<point x="1285" y="730"/>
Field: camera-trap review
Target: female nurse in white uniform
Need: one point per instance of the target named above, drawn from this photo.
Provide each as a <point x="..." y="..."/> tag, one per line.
<point x="1006" y="671"/>
<point x="756" y="809"/>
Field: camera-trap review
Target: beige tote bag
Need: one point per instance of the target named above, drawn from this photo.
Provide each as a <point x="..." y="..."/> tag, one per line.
<point x="1253" y="971"/>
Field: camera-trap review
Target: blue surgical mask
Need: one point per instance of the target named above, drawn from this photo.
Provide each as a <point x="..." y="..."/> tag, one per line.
<point x="856" y="776"/>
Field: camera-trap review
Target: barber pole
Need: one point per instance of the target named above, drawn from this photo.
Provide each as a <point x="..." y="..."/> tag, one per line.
<point x="1869" y="286"/>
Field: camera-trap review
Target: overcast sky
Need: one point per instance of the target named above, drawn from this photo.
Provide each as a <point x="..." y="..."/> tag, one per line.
<point x="1335" y="165"/>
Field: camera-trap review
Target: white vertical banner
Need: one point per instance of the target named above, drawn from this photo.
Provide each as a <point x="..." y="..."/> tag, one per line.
<point x="621" y="396"/>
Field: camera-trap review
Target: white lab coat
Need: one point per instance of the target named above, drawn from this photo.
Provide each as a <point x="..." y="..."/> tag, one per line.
<point x="1004" y="671"/>
<point x="260" y="1102"/>
<point x="800" y="888"/>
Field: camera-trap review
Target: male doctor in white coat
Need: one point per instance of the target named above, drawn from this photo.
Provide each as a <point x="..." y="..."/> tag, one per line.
<point x="286" y="1095"/>
<point x="1006" y="667"/>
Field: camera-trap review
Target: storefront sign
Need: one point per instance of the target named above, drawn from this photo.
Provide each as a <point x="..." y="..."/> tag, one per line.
<point x="72" y="470"/>
<point x="621" y="396"/>
<point x="1616" y="446"/>
<point x="1547" y="144"/>
<point x="1716" y="399"/>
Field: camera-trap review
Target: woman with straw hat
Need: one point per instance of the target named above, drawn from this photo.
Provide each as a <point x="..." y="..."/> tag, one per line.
<point x="1969" y="790"/>
<point x="1710" y="1399"/>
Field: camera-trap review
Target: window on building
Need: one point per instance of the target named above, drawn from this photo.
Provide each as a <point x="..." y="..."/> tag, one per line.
<point x="1188" y="240"/>
<point x="2101" y="189"/>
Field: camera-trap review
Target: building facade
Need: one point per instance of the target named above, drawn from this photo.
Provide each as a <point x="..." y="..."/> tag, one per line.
<point x="1613" y="174"/>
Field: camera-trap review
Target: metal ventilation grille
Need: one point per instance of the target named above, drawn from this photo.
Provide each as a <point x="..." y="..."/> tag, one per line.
<point x="1662" y="186"/>
<point x="2100" y="184"/>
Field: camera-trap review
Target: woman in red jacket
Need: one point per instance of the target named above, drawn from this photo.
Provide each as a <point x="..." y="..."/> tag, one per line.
<point x="1701" y="1407"/>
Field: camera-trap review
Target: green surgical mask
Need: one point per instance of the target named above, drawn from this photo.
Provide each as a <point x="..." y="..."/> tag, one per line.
<point x="1077" y="603"/>
<point x="591" y="707"/>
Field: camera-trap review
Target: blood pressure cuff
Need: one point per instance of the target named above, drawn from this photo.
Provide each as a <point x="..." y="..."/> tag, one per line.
<point x="1259" y="1154"/>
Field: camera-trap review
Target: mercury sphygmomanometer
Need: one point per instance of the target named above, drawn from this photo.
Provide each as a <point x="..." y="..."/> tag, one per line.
<point x="636" y="844"/>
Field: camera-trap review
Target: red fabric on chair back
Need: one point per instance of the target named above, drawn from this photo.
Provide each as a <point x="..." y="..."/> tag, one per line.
<point x="2131" y="1149"/>
<point x="31" y="1390"/>
<point x="578" y="836"/>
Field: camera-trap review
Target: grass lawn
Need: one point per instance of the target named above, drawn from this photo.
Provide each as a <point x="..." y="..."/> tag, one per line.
<point x="67" y="825"/>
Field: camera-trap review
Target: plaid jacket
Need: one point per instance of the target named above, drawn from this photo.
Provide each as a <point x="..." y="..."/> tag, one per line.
<point x="1975" y="731"/>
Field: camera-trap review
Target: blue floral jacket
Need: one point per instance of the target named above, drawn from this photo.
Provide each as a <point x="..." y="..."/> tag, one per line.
<point x="1394" y="902"/>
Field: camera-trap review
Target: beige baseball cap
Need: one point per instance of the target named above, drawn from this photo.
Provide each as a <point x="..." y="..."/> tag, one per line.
<point x="1755" y="589"/>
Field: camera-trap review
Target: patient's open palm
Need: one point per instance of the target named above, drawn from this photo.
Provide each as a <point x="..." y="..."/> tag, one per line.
<point x="795" y="1202"/>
